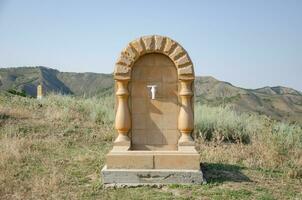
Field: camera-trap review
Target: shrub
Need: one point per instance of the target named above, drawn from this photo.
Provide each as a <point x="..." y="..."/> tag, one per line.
<point x="224" y="124"/>
<point x="272" y="144"/>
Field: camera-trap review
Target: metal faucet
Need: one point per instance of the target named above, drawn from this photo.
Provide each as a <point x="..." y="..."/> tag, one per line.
<point x="153" y="90"/>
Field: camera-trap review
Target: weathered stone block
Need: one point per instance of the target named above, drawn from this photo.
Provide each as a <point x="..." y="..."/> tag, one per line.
<point x="129" y="161"/>
<point x="178" y="161"/>
<point x="138" y="46"/>
<point x="136" y="177"/>
<point x="185" y="70"/>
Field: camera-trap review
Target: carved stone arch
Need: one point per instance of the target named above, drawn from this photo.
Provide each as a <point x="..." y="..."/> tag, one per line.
<point x="154" y="44"/>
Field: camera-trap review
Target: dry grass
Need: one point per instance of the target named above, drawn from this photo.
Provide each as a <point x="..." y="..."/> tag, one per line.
<point x="250" y="140"/>
<point x="55" y="148"/>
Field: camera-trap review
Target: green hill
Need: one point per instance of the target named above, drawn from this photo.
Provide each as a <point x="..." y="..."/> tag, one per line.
<point x="279" y="102"/>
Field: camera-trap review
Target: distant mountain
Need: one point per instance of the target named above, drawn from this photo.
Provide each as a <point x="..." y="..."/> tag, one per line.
<point x="278" y="90"/>
<point x="279" y="102"/>
<point x="27" y="78"/>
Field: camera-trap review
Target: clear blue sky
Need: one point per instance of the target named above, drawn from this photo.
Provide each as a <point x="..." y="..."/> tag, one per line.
<point x="251" y="43"/>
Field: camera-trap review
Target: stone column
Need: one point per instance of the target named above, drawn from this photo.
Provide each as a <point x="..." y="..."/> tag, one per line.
<point x="185" y="118"/>
<point x="122" y="118"/>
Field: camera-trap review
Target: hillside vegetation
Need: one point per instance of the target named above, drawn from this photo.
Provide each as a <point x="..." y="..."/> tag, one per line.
<point x="56" y="147"/>
<point x="280" y="103"/>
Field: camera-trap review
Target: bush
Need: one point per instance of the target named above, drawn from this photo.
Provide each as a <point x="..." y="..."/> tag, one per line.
<point x="272" y="144"/>
<point x="224" y="124"/>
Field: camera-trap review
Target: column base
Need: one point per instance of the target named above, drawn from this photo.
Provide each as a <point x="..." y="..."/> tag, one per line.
<point x="186" y="140"/>
<point x="122" y="143"/>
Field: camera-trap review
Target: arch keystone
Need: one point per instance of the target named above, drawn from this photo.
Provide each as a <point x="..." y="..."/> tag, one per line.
<point x="149" y="43"/>
<point x="158" y="42"/>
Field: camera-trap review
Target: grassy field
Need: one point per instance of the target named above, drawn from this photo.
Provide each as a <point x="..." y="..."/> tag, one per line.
<point x="56" y="147"/>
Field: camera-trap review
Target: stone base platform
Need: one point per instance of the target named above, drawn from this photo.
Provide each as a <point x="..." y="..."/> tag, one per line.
<point x="133" y="168"/>
<point x="137" y="177"/>
<point x="180" y="160"/>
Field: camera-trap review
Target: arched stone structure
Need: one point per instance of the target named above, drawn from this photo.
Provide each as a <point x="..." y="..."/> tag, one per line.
<point x="122" y="75"/>
<point x="153" y="60"/>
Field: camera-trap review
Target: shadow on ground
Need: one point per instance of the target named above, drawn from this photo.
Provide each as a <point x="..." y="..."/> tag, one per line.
<point x="219" y="173"/>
